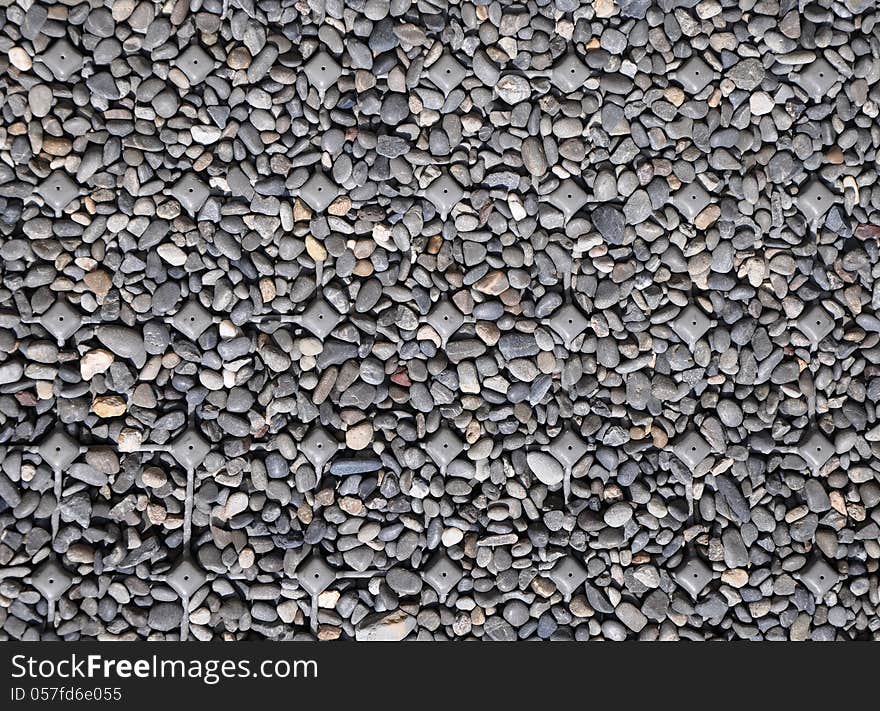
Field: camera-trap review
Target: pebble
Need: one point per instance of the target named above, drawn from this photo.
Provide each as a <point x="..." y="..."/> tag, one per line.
<point x="546" y="468"/>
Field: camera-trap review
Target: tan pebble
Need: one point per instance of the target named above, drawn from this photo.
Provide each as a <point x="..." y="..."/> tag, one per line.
<point x="301" y="211"/>
<point x="736" y="577"/>
<point x="94" y="362"/>
<point x="661" y="439"/>
<point x="834" y="155"/>
<point x="156" y="513"/>
<point x="363" y="268"/>
<point x="580" y="607"/>
<point x="129" y="440"/>
<point x="546" y="362"/>
<point x="328" y="599"/>
<point x="20" y="59"/>
<point x="81" y="553"/>
<point x="488" y="332"/>
<point x="360" y="436"/>
<point x="435" y="242"/>
<point x="325" y="497"/>
<point x="543" y="587"/>
<point x="56" y="146"/>
<point x="122" y="9"/>
<point x="154" y="477"/>
<point x="315" y="249"/>
<point x="327" y="633"/>
<point x="604" y="8"/>
<point x="364" y="248"/>
<point x="305" y="514"/>
<point x="108" y="406"/>
<point x="287" y="611"/>
<point x="494" y="283"/>
<point x="707" y="217"/>
<point x="239" y="58"/>
<point x="228" y="329"/>
<point x="340" y="206"/>
<point x="98" y="282"/>
<point x="351" y="505"/>
<point x="267" y="290"/>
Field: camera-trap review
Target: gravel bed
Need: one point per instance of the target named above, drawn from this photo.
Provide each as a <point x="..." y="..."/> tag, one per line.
<point x="429" y="319"/>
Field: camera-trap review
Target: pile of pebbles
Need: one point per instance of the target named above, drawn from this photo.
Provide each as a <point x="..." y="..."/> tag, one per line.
<point x="429" y="319"/>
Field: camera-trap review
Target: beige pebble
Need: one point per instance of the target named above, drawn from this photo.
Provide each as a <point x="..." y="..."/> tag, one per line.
<point x="359" y="436"/>
<point x="267" y="290"/>
<point x="315" y="249"/>
<point x="328" y="599"/>
<point x="129" y="440"/>
<point x="108" y="406"/>
<point x="94" y="362"/>
<point x="20" y="59"/>
<point x="287" y="611"/>
<point x="98" y="282"/>
<point x="172" y="254"/>
<point x="451" y="536"/>
<point x="154" y="477"/>
<point x="736" y="577"/>
<point x="235" y="504"/>
<point x="760" y="103"/>
<point x="604" y="8"/>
